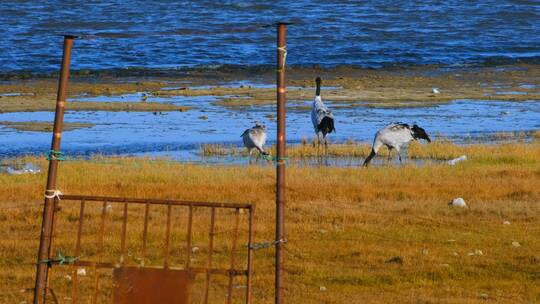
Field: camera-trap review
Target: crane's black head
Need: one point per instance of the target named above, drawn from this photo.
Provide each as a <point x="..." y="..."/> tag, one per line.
<point x="419" y="133"/>
<point x="318" y="83"/>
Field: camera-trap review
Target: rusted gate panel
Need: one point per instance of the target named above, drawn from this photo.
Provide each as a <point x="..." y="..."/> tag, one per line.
<point x="120" y="248"/>
<point x="151" y="285"/>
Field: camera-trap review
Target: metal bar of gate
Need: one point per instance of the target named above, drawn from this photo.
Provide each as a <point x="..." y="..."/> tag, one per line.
<point x="281" y="158"/>
<point x="167" y="237"/>
<point x="251" y="223"/>
<point x="90" y="198"/>
<point x="74" y="275"/>
<point x="145" y="232"/>
<point x="123" y="237"/>
<point x="100" y="250"/>
<point x="48" y="209"/>
<point x="189" y="236"/>
<point x="210" y="253"/>
<point x="233" y="254"/>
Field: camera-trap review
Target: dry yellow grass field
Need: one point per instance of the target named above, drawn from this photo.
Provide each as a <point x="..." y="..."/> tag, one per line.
<point x="344" y="225"/>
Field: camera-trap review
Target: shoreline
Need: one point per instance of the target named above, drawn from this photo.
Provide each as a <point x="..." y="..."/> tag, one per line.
<point x="220" y="105"/>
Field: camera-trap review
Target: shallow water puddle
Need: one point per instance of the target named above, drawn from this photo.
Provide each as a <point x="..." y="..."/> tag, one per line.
<point x="180" y="134"/>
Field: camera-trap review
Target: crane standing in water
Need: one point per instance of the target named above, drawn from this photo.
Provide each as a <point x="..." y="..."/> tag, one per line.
<point x="395" y="136"/>
<point x="322" y="118"/>
<point x="255" y="138"/>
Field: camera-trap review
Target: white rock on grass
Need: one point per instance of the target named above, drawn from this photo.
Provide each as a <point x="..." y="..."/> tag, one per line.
<point x="108" y="208"/>
<point x="458" y="202"/>
<point x="476" y="252"/>
<point x="506" y="223"/>
<point x="516" y="244"/>
<point x="322" y="288"/>
<point x="457" y="160"/>
<point x="81" y="272"/>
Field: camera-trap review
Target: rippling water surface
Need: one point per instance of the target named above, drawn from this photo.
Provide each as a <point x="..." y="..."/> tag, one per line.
<point x="178" y="34"/>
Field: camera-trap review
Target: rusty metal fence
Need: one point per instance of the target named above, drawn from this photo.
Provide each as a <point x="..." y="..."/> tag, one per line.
<point x="107" y="249"/>
<point x="121" y="274"/>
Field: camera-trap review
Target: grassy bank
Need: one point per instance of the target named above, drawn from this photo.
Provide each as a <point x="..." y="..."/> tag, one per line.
<point x="345" y="226"/>
<point x="438" y="150"/>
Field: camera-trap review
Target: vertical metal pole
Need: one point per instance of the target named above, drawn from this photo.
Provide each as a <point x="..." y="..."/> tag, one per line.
<point x="48" y="209"/>
<point x="281" y="159"/>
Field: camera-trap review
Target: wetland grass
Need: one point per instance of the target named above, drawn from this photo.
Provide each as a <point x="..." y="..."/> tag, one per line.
<point x="341" y="235"/>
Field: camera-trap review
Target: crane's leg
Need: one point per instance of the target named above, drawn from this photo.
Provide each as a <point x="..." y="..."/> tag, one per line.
<point x="369" y="158"/>
<point x="318" y="146"/>
<point x="325" y="146"/>
<point x="327" y="163"/>
<point x="249" y="156"/>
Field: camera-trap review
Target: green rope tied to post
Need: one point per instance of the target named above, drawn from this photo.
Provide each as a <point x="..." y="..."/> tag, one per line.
<point x="56" y="155"/>
<point x="275" y="159"/>
<point x="281" y="160"/>
<point x="60" y="259"/>
<point x="267" y="157"/>
<point x="264" y="245"/>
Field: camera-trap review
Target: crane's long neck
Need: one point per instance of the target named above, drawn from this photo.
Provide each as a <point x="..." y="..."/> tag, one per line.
<point x="318" y="91"/>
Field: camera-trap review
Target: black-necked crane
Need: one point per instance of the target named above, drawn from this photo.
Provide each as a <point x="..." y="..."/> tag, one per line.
<point x="396" y="136"/>
<point x="321" y="117"/>
<point x="255" y="138"/>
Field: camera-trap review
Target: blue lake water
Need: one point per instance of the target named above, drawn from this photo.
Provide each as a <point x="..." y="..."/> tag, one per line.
<point x="180" y="34"/>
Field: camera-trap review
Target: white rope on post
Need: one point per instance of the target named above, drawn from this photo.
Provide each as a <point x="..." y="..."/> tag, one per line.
<point x="284" y="50"/>
<point x="53" y="193"/>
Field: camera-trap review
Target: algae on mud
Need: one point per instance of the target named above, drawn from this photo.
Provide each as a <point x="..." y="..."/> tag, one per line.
<point x="390" y="87"/>
<point x="37" y="126"/>
<point x="24" y="104"/>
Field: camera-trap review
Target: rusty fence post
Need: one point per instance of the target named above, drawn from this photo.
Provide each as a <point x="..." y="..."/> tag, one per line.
<point x="281" y="160"/>
<point x="40" y="290"/>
